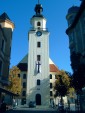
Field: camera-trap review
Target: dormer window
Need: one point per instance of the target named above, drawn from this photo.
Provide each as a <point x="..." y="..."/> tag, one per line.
<point x="38" y="24"/>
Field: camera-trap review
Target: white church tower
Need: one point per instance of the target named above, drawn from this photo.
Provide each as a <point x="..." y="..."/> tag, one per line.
<point x="38" y="83"/>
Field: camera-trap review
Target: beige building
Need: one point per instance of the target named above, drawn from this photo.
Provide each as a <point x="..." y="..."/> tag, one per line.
<point x="23" y="67"/>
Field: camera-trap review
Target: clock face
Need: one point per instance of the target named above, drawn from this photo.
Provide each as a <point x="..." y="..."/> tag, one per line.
<point x="38" y="33"/>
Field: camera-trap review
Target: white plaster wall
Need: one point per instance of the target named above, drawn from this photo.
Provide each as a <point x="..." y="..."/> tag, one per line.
<point x="32" y="88"/>
<point x="42" y="20"/>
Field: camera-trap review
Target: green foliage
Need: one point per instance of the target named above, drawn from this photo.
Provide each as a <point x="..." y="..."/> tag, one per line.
<point x="62" y="84"/>
<point x="71" y="92"/>
<point x="78" y="77"/>
<point x="15" y="81"/>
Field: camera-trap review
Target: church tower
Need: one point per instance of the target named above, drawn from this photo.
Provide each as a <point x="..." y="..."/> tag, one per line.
<point x="38" y="89"/>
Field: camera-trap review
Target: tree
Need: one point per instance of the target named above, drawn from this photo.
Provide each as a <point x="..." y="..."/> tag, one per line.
<point x="62" y="84"/>
<point x="71" y="92"/>
<point x="78" y="77"/>
<point x="15" y="81"/>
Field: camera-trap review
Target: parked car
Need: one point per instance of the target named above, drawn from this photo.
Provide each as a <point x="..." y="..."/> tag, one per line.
<point x="32" y="104"/>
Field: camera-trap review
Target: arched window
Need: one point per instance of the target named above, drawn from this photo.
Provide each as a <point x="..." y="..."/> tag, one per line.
<point x="38" y="57"/>
<point x="50" y="85"/>
<point x="24" y="76"/>
<point x="24" y="84"/>
<point x="38" y="44"/>
<point x="50" y="76"/>
<point x="38" y="99"/>
<point x="38" y="82"/>
<point x="38" y="24"/>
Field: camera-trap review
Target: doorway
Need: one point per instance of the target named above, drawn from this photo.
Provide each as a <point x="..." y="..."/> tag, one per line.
<point x="38" y="99"/>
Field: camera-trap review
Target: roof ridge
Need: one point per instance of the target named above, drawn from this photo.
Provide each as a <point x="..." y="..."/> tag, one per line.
<point x="4" y="16"/>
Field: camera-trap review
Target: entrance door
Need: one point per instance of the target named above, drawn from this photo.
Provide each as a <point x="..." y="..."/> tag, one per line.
<point x="38" y="99"/>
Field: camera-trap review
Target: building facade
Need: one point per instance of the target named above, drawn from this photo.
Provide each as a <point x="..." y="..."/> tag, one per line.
<point x="76" y="29"/>
<point x="23" y="66"/>
<point x="6" y="30"/>
<point x="76" y="34"/>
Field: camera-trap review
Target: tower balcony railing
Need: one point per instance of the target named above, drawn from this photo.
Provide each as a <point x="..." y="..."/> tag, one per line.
<point x="36" y="29"/>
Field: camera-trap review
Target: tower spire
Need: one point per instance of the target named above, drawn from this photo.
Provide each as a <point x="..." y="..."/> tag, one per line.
<point x="38" y="1"/>
<point x="38" y="8"/>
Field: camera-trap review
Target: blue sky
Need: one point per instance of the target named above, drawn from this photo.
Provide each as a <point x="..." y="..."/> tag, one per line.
<point x="20" y="12"/>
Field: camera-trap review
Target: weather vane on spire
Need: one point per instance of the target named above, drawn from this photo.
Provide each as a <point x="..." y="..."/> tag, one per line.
<point x="38" y="8"/>
<point x="38" y="1"/>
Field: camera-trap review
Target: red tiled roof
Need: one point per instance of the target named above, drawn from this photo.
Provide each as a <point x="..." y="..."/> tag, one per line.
<point x="23" y="67"/>
<point x="53" y="68"/>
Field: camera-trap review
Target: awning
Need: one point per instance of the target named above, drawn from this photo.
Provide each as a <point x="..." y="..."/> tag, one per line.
<point x="7" y="92"/>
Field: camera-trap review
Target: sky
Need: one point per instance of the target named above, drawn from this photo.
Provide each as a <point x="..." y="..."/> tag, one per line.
<point x="55" y="11"/>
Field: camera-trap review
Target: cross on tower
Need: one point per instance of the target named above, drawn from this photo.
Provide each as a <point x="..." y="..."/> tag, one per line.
<point x="38" y="67"/>
<point x="38" y="8"/>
